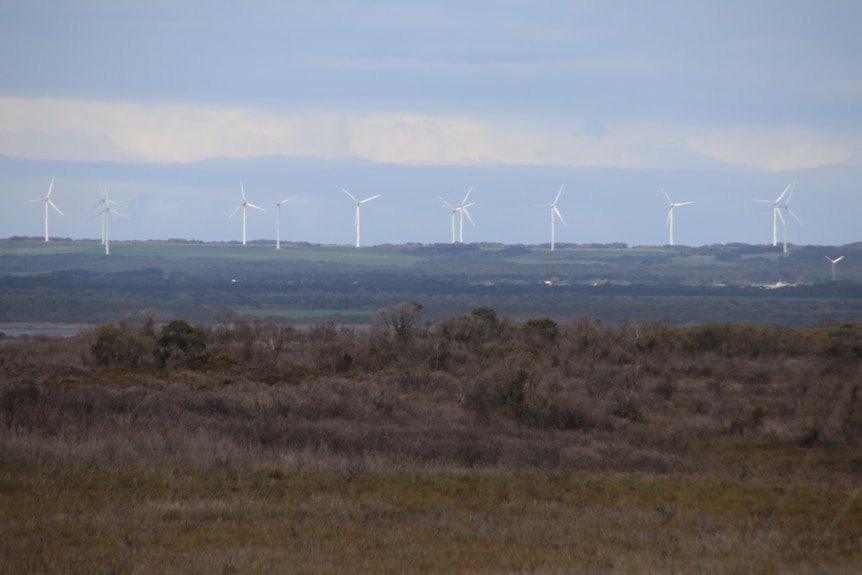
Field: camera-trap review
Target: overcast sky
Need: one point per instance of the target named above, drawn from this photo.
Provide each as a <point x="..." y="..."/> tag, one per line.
<point x="169" y="104"/>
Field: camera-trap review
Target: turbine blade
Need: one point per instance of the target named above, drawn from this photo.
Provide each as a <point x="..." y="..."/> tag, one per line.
<point x="285" y="201"/>
<point x="242" y="191"/>
<point x="665" y="195"/>
<point x="352" y="197"/>
<point x="50" y="188"/>
<point x="787" y="189"/>
<point x="559" y="215"/>
<point x="839" y="259"/>
<point x="557" y="199"/>
<point x="366" y="200"/>
<point x="795" y="217"/>
<point x="115" y="212"/>
<point x="466" y="213"/>
<point x="467" y="195"/>
<point x="683" y="204"/>
<point x="255" y="207"/>
<point x="233" y="213"/>
<point x="53" y="205"/>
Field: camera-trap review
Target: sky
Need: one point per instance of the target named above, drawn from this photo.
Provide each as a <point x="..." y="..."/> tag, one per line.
<point x="169" y="105"/>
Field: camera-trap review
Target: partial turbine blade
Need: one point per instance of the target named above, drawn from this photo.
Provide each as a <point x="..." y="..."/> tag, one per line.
<point x="665" y="195"/>
<point x="352" y="197"/>
<point x="249" y="204"/>
<point x="559" y="215"/>
<point x="366" y="200"/>
<point x="233" y="213"/>
<point x="795" y="217"/>
<point x="557" y="199"/>
<point x="466" y="213"/>
<point x="467" y="195"/>
<point x="53" y="205"/>
<point x="50" y="188"/>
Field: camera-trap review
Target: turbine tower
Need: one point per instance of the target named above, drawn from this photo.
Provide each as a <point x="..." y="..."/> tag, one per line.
<point x="49" y="203"/>
<point x="358" y="204"/>
<point x="245" y="204"/>
<point x="278" y="221"/>
<point x="776" y="213"/>
<point x="671" y="205"/>
<point x="833" y="262"/>
<point x="106" y="212"/>
<point x="555" y="213"/>
<point x="453" y="209"/>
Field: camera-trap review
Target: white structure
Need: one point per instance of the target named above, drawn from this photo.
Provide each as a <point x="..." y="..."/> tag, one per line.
<point x="278" y="221"/>
<point x="777" y="207"/>
<point x="833" y="262"/>
<point x="555" y="213"/>
<point x="106" y="212"/>
<point x="671" y="206"/>
<point x="462" y="210"/>
<point x="358" y="204"/>
<point x="49" y="203"/>
<point x="243" y="206"/>
<point x="454" y="209"/>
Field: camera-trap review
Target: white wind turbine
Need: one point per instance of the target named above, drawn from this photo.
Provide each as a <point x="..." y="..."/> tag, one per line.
<point x="278" y="221"/>
<point x="358" y="204"/>
<point x="106" y="212"/>
<point x="671" y="206"/>
<point x="48" y="203"/>
<point x="245" y="204"/>
<point x="462" y="209"/>
<point x="787" y="211"/>
<point x="555" y="213"/>
<point x="833" y="262"/>
<point x="776" y="213"/>
<point x="104" y="203"/>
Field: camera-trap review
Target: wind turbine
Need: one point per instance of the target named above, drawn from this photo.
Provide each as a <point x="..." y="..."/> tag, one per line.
<point x="555" y="213"/>
<point x="671" y="206"/>
<point x="833" y="262"/>
<point x="48" y="203"/>
<point x="358" y="204"/>
<point x="106" y="212"/>
<point x="278" y="221"/>
<point x="462" y="209"/>
<point x="776" y="213"/>
<point x="245" y="204"/>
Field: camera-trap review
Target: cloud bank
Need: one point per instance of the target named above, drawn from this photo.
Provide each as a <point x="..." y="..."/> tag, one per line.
<point x="87" y="130"/>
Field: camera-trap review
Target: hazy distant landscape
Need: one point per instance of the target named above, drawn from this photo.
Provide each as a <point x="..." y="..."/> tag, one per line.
<point x="73" y="282"/>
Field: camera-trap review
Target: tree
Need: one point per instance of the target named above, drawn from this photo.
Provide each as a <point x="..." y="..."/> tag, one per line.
<point x="180" y="339"/>
<point x="401" y="318"/>
<point x="112" y="345"/>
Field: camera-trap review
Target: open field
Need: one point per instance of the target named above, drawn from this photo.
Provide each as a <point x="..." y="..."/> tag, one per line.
<point x="463" y="446"/>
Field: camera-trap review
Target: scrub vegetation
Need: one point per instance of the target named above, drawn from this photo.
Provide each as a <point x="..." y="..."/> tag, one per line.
<point x="471" y="444"/>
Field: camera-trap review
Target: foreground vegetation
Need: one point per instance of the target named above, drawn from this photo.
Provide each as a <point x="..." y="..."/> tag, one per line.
<point x="466" y="445"/>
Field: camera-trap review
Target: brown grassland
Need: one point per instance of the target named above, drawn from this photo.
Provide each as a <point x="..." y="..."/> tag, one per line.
<point x="469" y="445"/>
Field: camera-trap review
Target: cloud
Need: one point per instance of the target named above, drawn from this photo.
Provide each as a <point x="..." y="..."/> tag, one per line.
<point x="82" y="130"/>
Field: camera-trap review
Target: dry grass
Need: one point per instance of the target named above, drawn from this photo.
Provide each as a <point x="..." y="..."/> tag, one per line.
<point x="500" y="452"/>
